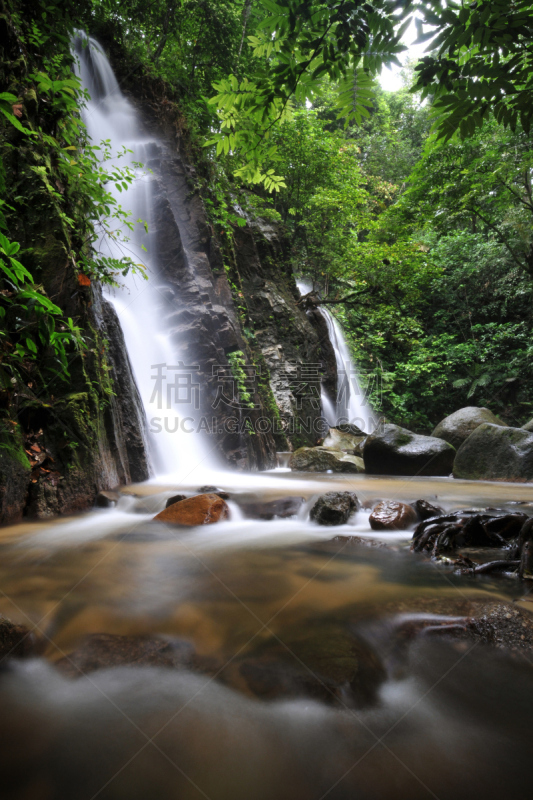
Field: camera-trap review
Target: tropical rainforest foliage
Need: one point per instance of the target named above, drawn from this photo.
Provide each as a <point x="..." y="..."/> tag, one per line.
<point x="412" y="210"/>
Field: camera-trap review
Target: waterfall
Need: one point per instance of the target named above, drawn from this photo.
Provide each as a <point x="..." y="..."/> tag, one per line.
<point x="142" y="306"/>
<point x="352" y="405"/>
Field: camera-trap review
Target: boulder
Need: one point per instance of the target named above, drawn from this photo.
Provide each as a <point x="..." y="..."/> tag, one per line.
<point x="528" y="426"/>
<point x="202" y="509"/>
<point x="335" y="508"/>
<point x="457" y="427"/>
<point x="342" y="439"/>
<point x="392" y="450"/>
<point x="392" y="515"/>
<point x="495" y="453"/>
<point x="320" y="459"/>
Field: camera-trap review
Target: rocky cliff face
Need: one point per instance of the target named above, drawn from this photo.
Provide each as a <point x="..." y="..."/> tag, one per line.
<point x="294" y="344"/>
<point x="86" y="437"/>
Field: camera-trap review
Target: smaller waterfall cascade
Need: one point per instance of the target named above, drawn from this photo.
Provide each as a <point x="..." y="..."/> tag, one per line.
<point x="352" y="405"/>
<point x="142" y="305"/>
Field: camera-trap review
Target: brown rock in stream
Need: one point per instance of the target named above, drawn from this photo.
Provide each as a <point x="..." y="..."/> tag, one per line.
<point x="203" y="509"/>
<point x="392" y="515"/>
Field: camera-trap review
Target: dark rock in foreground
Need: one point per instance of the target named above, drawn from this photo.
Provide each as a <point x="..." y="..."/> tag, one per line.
<point x="457" y="427"/>
<point x="396" y="451"/>
<point x="494" y="453"/>
<point x="335" y="508"/>
<point x="392" y="515"/>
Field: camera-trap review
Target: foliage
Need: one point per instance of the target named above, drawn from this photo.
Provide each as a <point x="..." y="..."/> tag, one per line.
<point x="30" y="321"/>
<point x="482" y="183"/>
<point x="296" y="45"/>
<point x="237" y="362"/>
<point x="480" y="65"/>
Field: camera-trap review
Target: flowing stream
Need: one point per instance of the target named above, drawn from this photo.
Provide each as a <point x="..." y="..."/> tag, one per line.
<point x="255" y="658"/>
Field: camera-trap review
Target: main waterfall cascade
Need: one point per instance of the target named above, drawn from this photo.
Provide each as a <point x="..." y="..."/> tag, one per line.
<point x="142" y="305"/>
<point x="352" y="404"/>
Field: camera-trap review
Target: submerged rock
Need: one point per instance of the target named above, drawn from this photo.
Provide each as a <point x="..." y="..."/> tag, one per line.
<point x="342" y="438"/>
<point x="103" y="650"/>
<point x="203" y="509"/>
<point x="213" y="490"/>
<point x="321" y="459"/>
<point x="392" y="515"/>
<point x="396" y="451"/>
<point x="283" y="507"/>
<point x="107" y="499"/>
<point x="495" y="453"/>
<point x="457" y="427"/>
<point x="326" y="663"/>
<point x="335" y="508"/>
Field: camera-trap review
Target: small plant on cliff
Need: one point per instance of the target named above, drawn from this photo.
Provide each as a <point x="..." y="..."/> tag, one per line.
<point x="32" y="326"/>
<point x="237" y="362"/>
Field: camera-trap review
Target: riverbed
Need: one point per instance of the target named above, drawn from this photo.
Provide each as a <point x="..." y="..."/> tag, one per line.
<point x="262" y="658"/>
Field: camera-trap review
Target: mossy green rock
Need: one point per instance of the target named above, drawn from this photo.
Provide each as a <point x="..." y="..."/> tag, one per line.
<point x="322" y="459"/>
<point x="495" y="453"/>
<point x="392" y="450"/>
<point x="457" y="427"/>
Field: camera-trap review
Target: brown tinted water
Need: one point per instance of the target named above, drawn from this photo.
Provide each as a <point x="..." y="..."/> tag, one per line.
<point x="272" y="664"/>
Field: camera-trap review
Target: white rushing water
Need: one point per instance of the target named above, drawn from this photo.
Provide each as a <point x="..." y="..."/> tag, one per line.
<point x="141" y="305"/>
<point x="352" y="405"/>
